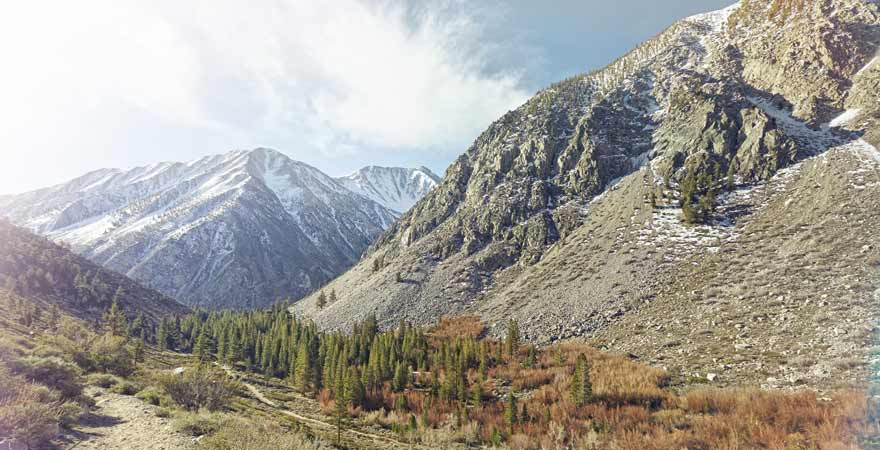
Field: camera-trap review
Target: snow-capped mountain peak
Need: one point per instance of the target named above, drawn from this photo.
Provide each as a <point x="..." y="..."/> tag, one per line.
<point x="247" y="226"/>
<point x="395" y="188"/>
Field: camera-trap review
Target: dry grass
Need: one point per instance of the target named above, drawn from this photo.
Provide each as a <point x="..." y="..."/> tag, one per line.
<point x="462" y="326"/>
<point x="631" y="408"/>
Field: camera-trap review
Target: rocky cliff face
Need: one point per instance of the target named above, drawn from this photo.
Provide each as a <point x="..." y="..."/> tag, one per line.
<point x="236" y="230"/>
<point x="546" y="217"/>
<point x="395" y="188"/>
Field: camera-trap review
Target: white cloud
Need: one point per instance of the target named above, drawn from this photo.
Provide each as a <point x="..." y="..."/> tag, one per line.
<point x="106" y="79"/>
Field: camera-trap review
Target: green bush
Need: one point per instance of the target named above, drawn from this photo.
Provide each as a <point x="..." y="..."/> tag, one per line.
<point x="150" y="395"/>
<point x="244" y="434"/>
<point x="111" y="354"/>
<point x="199" y="387"/>
<point x="103" y="380"/>
<point x="70" y="412"/>
<point x="52" y="372"/>
<point x="125" y="387"/>
<point x="199" y="423"/>
<point x="26" y="421"/>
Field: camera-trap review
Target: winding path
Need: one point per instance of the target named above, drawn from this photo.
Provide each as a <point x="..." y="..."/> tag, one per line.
<point x="257" y="394"/>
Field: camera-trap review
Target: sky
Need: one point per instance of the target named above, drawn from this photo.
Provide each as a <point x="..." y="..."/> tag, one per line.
<point x="339" y="85"/>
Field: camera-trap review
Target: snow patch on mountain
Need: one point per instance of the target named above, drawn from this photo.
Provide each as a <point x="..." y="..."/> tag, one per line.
<point x="240" y="229"/>
<point x="395" y="188"/>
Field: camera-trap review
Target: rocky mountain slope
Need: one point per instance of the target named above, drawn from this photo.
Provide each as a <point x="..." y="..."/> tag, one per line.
<point x="42" y="273"/>
<point x="236" y="230"/>
<point x="566" y="213"/>
<point x="395" y="188"/>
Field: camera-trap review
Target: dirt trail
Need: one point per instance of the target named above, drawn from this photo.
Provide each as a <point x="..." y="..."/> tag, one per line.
<point x="124" y="422"/>
<point x="280" y="408"/>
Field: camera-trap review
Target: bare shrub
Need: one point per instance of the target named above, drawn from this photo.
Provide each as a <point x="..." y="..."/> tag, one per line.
<point x="26" y="420"/>
<point x="199" y="387"/>
<point x="244" y="434"/>
<point x="52" y="372"/>
<point x="200" y="423"/>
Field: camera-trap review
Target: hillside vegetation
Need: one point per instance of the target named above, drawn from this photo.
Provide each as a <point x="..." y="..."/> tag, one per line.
<point x="449" y="385"/>
<point x="37" y="273"/>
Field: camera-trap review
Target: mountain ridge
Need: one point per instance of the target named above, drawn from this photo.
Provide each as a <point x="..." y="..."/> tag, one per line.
<point x="574" y="169"/>
<point x="395" y="188"/>
<point x="43" y="273"/>
<point x="246" y="227"/>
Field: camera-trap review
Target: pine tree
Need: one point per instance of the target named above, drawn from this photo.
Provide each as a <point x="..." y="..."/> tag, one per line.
<point x="303" y="374"/>
<point x="332" y="296"/>
<point x="400" y="402"/>
<point x="322" y="300"/>
<point x="162" y="335"/>
<point x="114" y="319"/>
<point x="233" y="348"/>
<point x="340" y="407"/>
<point x="137" y="351"/>
<point x="401" y="378"/>
<point x="484" y="359"/>
<point x="511" y="341"/>
<point x="478" y="392"/>
<point x="204" y="347"/>
<point x="532" y="358"/>
<point x="689" y="213"/>
<point x="355" y="389"/>
<point x="575" y="393"/>
<point x="581" y="390"/>
<point x="137" y="327"/>
<point x="510" y="412"/>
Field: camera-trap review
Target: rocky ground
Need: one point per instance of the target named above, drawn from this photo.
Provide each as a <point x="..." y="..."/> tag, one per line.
<point x="122" y="421"/>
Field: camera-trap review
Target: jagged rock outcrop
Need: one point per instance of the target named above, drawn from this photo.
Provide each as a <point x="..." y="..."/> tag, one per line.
<point x="546" y="217"/>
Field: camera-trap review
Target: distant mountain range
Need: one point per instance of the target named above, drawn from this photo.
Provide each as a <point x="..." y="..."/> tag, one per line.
<point x="395" y="188"/>
<point x="237" y="230"/>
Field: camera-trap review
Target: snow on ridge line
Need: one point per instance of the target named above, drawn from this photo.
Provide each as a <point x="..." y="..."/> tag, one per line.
<point x="867" y="66"/>
<point x="845" y="118"/>
<point x="866" y="149"/>
<point x="716" y="19"/>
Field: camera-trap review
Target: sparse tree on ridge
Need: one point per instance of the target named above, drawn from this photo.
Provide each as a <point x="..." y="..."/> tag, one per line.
<point x="322" y="300"/>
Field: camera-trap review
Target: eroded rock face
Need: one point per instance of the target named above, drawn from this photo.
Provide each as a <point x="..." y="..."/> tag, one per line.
<point x="546" y="217"/>
<point x="681" y="100"/>
<point x="806" y="51"/>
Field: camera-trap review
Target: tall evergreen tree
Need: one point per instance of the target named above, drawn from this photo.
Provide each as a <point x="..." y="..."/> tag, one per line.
<point x="401" y="377"/>
<point x="162" y="335"/>
<point x="340" y="407"/>
<point x="303" y="370"/>
<point x="510" y="412"/>
<point x="354" y="388"/>
<point x="511" y="340"/>
<point x="114" y="319"/>
<point x="322" y="300"/>
<point x="204" y="347"/>
<point x="581" y="390"/>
